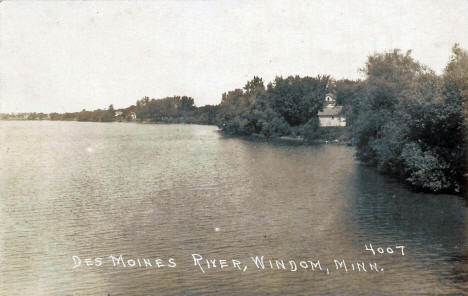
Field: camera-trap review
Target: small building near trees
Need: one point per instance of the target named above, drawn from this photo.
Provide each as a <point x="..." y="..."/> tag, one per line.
<point x="331" y="115"/>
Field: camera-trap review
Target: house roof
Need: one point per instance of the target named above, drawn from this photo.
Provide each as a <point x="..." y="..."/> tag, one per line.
<point x="333" y="111"/>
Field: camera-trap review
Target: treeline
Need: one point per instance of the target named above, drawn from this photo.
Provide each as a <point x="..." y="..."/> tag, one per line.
<point x="99" y="115"/>
<point x="285" y="107"/>
<point x="176" y="109"/>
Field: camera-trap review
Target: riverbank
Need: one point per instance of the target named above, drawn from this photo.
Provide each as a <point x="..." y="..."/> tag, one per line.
<point x="326" y="135"/>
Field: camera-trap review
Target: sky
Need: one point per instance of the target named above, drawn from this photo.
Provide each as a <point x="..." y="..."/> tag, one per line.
<point x="65" y="56"/>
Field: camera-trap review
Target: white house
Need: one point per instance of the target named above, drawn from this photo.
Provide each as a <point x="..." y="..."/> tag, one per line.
<point x="331" y="114"/>
<point x="131" y="116"/>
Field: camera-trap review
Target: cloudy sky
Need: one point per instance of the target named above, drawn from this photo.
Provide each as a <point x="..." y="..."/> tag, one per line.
<point x="69" y="55"/>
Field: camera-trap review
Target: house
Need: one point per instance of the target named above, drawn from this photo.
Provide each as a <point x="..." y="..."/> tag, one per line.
<point x="331" y="115"/>
<point x="131" y="116"/>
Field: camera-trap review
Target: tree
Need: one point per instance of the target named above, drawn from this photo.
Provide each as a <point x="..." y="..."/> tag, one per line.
<point x="410" y="121"/>
<point x="254" y="86"/>
<point x="297" y="99"/>
<point x="186" y="105"/>
<point x="349" y="94"/>
<point x="288" y="106"/>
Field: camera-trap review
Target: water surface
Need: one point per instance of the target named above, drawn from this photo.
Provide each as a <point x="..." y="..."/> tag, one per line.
<point x="168" y="191"/>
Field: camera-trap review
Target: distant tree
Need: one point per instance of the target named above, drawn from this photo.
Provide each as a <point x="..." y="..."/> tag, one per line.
<point x="84" y="115"/>
<point x="254" y="86"/>
<point x="108" y="115"/>
<point x="186" y="105"/>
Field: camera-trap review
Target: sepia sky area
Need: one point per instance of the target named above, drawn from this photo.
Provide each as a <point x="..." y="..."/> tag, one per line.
<point x="64" y="56"/>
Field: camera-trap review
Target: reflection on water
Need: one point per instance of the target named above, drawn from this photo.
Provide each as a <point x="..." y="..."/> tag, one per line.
<point x="161" y="191"/>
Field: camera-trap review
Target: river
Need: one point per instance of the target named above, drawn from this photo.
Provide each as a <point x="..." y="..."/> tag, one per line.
<point x="72" y="191"/>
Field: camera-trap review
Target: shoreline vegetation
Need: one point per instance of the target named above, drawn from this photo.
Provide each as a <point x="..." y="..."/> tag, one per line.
<point x="402" y="118"/>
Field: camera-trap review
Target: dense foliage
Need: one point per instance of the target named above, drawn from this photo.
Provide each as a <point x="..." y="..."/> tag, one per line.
<point x="97" y="115"/>
<point x="349" y="94"/>
<point x="168" y="110"/>
<point x="286" y="107"/>
<point x="410" y="121"/>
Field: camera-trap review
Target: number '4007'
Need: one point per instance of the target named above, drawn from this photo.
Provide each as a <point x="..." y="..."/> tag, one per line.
<point x="387" y="250"/>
